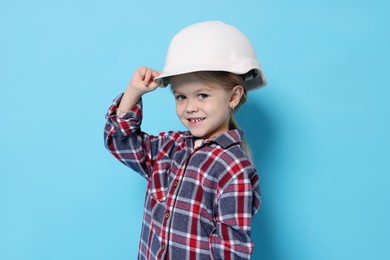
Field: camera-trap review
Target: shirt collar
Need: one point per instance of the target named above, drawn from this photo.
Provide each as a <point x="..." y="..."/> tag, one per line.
<point x="224" y="140"/>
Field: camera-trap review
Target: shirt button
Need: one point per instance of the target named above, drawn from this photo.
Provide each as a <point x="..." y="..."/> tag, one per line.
<point x="167" y="215"/>
<point x="175" y="183"/>
<point x="163" y="246"/>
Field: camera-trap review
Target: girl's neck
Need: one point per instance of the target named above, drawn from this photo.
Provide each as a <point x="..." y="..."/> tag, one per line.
<point x="198" y="142"/>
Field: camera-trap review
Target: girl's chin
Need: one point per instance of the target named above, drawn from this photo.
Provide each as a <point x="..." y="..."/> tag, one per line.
<point x="203" y="136"/>
<point x="197" y="135"/>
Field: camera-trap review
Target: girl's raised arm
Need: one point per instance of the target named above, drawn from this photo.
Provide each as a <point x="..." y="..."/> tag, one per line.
<point x="122" y="134"/>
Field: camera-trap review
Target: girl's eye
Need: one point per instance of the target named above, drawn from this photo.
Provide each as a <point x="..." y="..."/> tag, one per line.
<point x="180" y="97"/>
<point x="203" y="96"/>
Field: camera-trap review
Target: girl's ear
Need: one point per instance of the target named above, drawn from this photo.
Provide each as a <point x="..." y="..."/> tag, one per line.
<point x="235" y="98"/>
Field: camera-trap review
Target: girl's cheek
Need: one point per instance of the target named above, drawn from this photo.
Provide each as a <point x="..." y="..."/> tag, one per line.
<point x="179" y="109"/>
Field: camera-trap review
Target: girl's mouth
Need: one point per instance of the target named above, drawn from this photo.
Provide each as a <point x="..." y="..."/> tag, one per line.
<point x="194" y="121"/>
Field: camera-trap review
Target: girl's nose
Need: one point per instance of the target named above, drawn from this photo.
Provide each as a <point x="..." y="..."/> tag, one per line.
<point x="191" y="107"/>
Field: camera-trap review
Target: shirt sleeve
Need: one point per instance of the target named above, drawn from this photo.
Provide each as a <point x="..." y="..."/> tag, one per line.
<point x="125" y="140"/>
<point x="239" y="201"/>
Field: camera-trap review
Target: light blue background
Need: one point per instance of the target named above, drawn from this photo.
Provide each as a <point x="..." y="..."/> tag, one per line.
<point x="319" y="131"/>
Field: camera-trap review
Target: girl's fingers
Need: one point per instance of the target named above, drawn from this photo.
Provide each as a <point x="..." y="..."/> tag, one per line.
<point x="154" y="84"/>
<point x="156" y="73"/>
<point x="142" y="71"/>
<point x="148" y="75"/>
<point x="146" y="78"/>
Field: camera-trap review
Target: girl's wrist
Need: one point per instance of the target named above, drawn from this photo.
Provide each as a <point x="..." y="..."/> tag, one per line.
<point x="134" y="91"/>
<point x="129" y="99"/>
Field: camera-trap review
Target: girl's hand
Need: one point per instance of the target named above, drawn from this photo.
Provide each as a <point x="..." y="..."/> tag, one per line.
<point x="143" y="80"/>
<point x="141" y="83"/>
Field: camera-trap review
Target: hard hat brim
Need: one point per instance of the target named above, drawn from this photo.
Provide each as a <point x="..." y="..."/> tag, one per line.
<point x="254" y="80"/>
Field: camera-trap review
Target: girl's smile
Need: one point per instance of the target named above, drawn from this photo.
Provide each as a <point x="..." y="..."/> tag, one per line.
<point x="195" y="121"/>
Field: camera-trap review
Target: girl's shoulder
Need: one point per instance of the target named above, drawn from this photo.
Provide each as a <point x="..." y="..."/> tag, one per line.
<point x="237" y="155"/>
<point x="230" y="145"/>
<point x="234" y="164"/>
<point x="229" y="157"/>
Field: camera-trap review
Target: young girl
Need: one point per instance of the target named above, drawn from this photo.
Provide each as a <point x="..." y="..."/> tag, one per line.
<point x="203" y="189"/>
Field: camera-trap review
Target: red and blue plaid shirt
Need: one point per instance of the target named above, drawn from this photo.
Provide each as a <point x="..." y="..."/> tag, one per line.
<point x="200" y="201"/>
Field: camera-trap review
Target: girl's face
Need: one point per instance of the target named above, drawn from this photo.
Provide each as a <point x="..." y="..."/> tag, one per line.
<point x="203" y="109"/>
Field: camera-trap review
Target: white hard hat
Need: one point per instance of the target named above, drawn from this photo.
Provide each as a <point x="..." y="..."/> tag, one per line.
<point x="212" y="46"/>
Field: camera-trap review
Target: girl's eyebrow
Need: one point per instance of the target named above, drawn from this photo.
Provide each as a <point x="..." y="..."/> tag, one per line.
<point x="176" y="92"/>
<point x="196" y="90"/>
<point x="203" y="89"/>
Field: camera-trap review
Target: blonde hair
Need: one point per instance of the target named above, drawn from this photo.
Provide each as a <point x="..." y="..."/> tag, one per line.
<point x="228" y="81"/>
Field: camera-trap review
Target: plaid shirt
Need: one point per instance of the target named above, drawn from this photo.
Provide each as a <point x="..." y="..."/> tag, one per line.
<point x="199" y="202"/>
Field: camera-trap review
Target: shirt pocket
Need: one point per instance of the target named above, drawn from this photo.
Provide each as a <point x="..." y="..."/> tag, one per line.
<point x="158" y="188"/>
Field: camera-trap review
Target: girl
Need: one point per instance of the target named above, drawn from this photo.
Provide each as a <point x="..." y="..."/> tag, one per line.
<point x="203" y="189"/>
